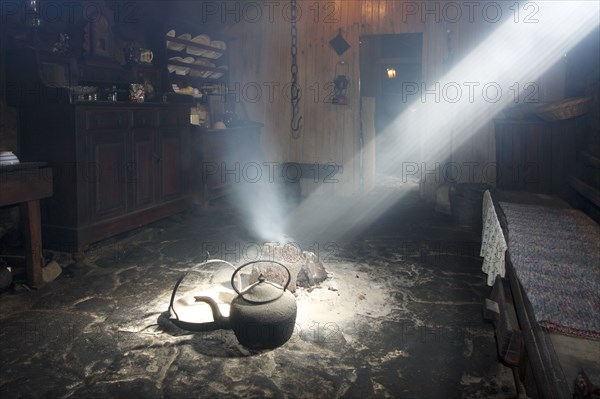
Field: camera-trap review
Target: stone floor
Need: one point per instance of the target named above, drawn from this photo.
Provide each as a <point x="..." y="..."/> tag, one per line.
<point x="399" y="316"/>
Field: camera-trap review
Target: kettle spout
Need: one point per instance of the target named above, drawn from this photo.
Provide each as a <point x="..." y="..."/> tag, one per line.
<point x="220" y="320"/>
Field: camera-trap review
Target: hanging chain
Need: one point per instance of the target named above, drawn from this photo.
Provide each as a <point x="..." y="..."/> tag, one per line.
<point x="294" y="88"/>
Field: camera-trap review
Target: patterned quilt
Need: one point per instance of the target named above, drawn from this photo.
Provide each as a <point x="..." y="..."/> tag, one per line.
<point x="556" y="256"/>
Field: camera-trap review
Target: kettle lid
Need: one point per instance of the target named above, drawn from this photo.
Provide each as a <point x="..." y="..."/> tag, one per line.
<point x="262" y="291"/>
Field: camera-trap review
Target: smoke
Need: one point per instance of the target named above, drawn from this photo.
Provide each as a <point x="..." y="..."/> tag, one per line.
<point x="265" y="209"/>
<point x="256" y="187"/>
<point x="459" y="104"/>
<point x="450" y="111"/>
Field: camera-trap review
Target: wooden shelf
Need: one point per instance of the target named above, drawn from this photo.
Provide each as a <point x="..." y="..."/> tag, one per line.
<point x="195" y="45"/>
<point x="198" y="76"/>
<point x="197" y="67"/>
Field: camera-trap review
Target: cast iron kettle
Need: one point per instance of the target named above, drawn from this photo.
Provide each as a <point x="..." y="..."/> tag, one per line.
<point x="262" y="316"/>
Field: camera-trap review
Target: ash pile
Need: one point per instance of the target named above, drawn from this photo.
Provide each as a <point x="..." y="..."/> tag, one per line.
<point x="306" y="269"/>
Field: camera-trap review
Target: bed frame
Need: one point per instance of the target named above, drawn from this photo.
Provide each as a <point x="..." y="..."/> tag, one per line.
<point x="539" y="368"/>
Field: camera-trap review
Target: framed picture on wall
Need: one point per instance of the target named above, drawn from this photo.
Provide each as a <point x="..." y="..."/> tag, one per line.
<point x="98" y="31"/>
<point x="101" y="37"/>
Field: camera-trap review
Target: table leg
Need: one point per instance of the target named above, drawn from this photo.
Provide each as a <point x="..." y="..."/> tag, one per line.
<point x="32" y="229"/>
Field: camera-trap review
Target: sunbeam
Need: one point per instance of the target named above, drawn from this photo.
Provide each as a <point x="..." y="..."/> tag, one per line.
<point x="474" y="91"/>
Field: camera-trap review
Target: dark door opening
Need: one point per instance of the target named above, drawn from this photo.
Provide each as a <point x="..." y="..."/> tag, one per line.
<point x="391" y="72"/>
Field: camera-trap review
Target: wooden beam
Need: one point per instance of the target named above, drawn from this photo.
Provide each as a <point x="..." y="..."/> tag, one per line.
<point x="32" y="230"/>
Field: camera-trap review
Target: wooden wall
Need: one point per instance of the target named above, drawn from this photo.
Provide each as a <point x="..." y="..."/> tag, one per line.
<point x="260" y="58"/>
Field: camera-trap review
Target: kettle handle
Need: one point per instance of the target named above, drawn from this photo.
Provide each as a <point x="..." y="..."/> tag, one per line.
<point x="209" y="261"/>
<point x="259" y="261"/>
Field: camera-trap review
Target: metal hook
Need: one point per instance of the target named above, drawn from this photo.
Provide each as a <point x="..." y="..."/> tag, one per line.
<point x="296" y="126"/>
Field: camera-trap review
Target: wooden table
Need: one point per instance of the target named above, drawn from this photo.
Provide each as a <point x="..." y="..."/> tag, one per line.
<point x="25" y="184"/>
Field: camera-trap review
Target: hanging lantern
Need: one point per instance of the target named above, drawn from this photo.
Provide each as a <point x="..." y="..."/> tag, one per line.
<point x="341" y="83"/>
<point x="391" y="73"/>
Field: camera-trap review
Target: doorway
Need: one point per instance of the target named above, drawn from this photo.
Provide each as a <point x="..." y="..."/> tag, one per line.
<point x="391" y="73"/>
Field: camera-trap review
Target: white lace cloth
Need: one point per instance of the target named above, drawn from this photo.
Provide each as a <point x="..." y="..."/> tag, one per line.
<point x="493" y="244"/>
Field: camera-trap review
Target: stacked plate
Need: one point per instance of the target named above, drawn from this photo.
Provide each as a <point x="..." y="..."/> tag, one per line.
<point x="185" y="60"/>
<point x="8" y="158"/>
<point x="179" y="69"/>
<point x="206" y="54"/>
<point x="202" y="62"/>
<point x="200" y="39"/>
<point x="216" y="44"/>
<point x="217" y="75"/>
<point x="177" y="46"/>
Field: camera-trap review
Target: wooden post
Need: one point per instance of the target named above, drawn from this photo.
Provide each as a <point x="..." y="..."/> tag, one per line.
<point x="32" y="230"/>
<point x="369" y="137"/>
<point x="25" y="184"/>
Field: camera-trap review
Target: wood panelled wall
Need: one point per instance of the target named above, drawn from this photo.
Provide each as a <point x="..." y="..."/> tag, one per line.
<point x="260" y="73"/>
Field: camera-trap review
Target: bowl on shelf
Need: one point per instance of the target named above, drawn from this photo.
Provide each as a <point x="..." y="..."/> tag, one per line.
<point x="8" y="158"/>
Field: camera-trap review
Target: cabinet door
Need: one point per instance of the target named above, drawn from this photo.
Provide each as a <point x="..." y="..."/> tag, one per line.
<point x="108" y="163"/>
<point x="172" y="164"/>
<point x="142" y="169"/>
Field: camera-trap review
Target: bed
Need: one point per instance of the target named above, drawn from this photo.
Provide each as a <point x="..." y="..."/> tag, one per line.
<point x="548" y="254"/>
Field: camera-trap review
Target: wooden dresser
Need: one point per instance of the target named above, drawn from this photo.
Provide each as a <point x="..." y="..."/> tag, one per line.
<point x="117" y="166"/>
